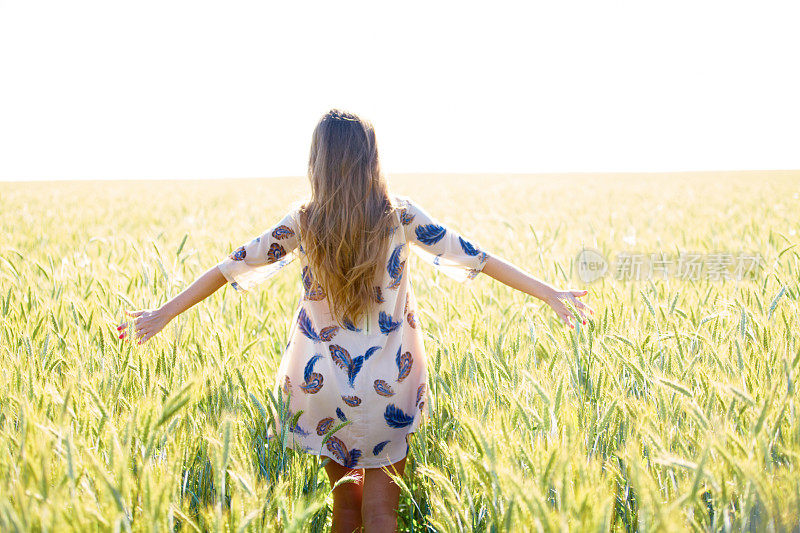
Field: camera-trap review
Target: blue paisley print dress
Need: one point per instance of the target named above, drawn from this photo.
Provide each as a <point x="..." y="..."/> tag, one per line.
<point x="360" y="389"/>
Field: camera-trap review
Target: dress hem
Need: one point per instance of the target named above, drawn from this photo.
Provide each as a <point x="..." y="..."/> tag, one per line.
<point x="361" y="465"/>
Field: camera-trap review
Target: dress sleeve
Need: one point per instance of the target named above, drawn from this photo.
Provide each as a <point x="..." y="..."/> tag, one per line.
<point x="252" y="263"/>
<point x="439" y="245"/>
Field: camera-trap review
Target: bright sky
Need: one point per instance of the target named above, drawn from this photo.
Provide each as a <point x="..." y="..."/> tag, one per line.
<point x="196" y="89"/>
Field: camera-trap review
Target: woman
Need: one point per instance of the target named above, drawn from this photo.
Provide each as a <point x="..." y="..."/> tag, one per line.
<point x="355" y="363"/>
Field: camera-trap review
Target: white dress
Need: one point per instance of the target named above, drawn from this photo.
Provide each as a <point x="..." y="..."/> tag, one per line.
<point x="366" y="381"/>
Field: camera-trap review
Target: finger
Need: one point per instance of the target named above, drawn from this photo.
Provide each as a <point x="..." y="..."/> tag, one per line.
<point x="579" y="294"/>
<point x="579" y="304"/>
<point x="574" y="317"/>
<point x="134" y="313"/>
<point x="580" y="307"/>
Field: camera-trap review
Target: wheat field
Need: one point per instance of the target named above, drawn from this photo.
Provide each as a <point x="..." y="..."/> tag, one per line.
<point x="674" y="409"/>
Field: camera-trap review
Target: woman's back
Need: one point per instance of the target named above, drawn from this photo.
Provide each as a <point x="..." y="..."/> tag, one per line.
<point x="370" y="374"/>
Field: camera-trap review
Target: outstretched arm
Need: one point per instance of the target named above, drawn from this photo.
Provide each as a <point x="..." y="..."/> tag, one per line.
<point x="510" y="275"/>
<point x="246" y="267"/>
<point x="149" y="322"/>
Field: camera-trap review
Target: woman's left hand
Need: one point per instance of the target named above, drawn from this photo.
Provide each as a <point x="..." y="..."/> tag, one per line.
<point x="558" y="300"/>
<point x="148" y="322"/>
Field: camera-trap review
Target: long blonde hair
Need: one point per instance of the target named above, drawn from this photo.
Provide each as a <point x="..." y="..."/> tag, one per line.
<point x="346" y="224"/>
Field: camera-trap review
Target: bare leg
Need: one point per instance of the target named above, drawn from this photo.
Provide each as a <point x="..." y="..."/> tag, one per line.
<point x="381" y="498"/>
<point x="346" y="498"/>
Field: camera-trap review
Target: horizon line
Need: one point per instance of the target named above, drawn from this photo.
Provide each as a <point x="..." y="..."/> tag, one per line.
<point x="422" y="173"/>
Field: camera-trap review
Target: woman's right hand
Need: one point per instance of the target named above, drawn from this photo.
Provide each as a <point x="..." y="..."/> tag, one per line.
<point x="558" y="301"/>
